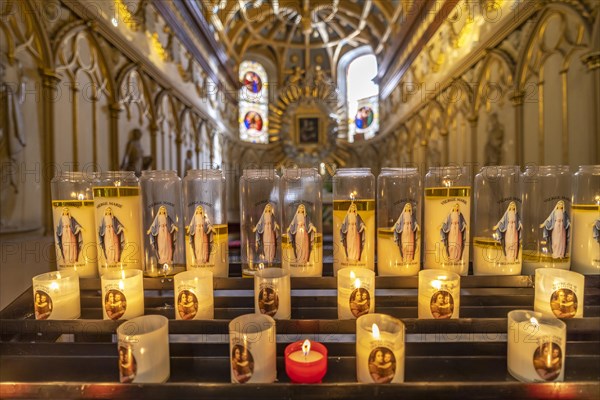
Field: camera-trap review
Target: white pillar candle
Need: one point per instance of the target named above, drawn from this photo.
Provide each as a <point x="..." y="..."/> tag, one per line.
<point x="122" y="294"/>
<point x="194" y="295"/>
<point x="272" y="293"/>
<point x="356" y="292"/>
<point x="379" y="349"/>
<point x="252" y="345"/>
<point x="56" y="295"/>
<point x="144" y="350"/>
<point x="559" y="293"/>
<point x="439" y="294"/>
<point x="536" y="347"/>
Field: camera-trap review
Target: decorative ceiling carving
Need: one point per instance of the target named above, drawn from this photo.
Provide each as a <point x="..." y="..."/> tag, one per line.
<point x="304" y="28"/>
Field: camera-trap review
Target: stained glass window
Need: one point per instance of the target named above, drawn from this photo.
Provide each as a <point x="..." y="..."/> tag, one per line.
<point x="363" y="98"/>
<point x="254" y="103"/>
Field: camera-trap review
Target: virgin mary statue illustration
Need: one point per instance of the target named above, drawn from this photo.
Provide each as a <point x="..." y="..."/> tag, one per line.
<point x="162" y="236"/>
<point x="405" y="233"/>
<point x="266" y="234"/>
<point x="353" y="232"/>
<point x="454" y="234"/>
<point x="556" y="230"/>
<point x="201" y="235"/>
<point x="508" y="231"/>
<point x="111" y="236"/>
<point x="302" y="235"/>
<point x="69" y="237"/>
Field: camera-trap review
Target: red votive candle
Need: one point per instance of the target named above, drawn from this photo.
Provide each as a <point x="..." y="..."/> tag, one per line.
<point x="306" y="362"/>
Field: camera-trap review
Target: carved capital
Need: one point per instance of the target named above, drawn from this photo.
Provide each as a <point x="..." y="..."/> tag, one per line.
<point x="50" y="79"/>
<point x="517" y="98"/>
<point x="115" y="109"/>
<point x="591" y="60"/>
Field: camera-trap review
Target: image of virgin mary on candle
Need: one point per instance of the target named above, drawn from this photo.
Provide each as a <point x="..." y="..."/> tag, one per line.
<point x="115" y="304"/>
<point x="302" y="235"/>
<point x="353" y="233"/>
<point x="42" y="305"/>
<point x="162" y="236"/>
<point x="242" y="363"/>
<point x="111" y="237"/>
<point x="127" y="364"/>
<point x="508" y="232"/>
<point x="556" y="231"/>
<point x="187" y="304"/>
<point x="266" y="233"/>
<point x="201" y="236"/>
<point x="405" y="233"/>
<point x="454" y="234"/>
<point x="69" y="237"/>
<point x="382" y="365"/>
<point x="547" y="361"/>
<point x="596" y="231"/>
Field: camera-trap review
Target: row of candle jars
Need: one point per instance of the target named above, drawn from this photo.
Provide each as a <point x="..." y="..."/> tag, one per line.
<point x="110" y="221"/>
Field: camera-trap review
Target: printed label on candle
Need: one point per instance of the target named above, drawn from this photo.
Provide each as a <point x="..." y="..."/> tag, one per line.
<point x="127" y="364"/>
<point x="353" y="232"/>
<point x="74" y="235"/>
<point x="442" y="305"/>
<point x="556" y="231"/>
<point x="118" y="222"/>
<point x="163" y="234"/>
<point x="586" y="237"/>
<point x="115" y="304"/>
<point x="187" y="304"/>
<point x="242" y="363"/>
<point x="206" y="243"/>
<point x="266" y="232"/>
<point x="382" y="365"/>
<point x="300" y="240"/>
<point x="447" y="226"/>
<point x="42" y="304"/>
<point x="548" y="360"/>
<point x="268" y="300"/>
<point x="360" y="302"/>
<point x="399" y="245"/>
<point x="563" y="302"/>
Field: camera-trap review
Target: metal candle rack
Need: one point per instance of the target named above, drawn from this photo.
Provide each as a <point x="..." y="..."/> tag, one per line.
<point x="464" y="357"/>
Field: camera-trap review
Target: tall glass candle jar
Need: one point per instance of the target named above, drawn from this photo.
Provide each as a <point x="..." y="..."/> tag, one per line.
<point x="260" y="213"/>
<point x="194" y="297"/>
<point x="302" y="240"/>
<point x="122" y="294"/>
<point x="205" y="209"/>
<point x="497" y="227"/>
<point x="75" y="223"/>
<point x="536" y="347"/>
<point x="118" y="221"/>
<point x="380" y="349"/>
<point x="586" y="220"/>
<point x="447" y="219"/>
<point x="398" y="222"/>
<point x="162" y="222"/>
<point x="353" y="219"/>
<point x="547" y="225"/>
<point x="56" y="295"/>
<point x="253" y="348"/>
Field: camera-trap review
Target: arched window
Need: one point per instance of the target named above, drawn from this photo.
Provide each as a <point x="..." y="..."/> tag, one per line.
<point x="254" y="103"/>
<point x="363" y="98"/>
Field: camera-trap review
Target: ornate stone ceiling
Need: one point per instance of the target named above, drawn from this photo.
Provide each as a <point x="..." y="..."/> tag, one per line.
<point x="327" y="28"/>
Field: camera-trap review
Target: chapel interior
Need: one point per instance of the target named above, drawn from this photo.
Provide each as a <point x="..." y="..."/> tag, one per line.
<point x="96" y="85"/>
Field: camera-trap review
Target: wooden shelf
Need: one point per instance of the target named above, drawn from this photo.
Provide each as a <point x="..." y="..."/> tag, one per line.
<point x="465" y="357"/>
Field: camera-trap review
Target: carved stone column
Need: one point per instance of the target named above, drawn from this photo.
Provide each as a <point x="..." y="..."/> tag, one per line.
<point x="115" y="110"/>
<point x="517" y="101"/>
<point x="473" y="121"/>
<point x="179" y="150"/>
<point x="445" y="151"/>
<point x="50" y="80"/>
<point x="153" y="144"/>
<point x="592" y="61"/>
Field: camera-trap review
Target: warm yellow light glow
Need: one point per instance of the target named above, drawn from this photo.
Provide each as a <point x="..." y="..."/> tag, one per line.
<point x="376" y="334"/>
<point x="352" y="275"/>
<point x="436" y="284"/>
<point x="357" y="283"/>
<point x="54" y="286"/>
<point x="306" y="347"/>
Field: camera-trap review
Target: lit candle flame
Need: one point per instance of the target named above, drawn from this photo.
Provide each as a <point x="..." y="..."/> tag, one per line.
<point x="357" y="283"/>
<point x="352" y="275"/>
<point x="306" y="347"/>
<point x="549" y="357"/>
<point x="436" y="284"/>
<point x="54" y="286"/>
<point x="534" y="321"/>
<point x="376" y="334"/>
<point x="80" y="197"/>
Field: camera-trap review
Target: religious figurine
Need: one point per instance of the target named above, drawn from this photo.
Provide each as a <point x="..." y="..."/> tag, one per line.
<point x="162" y="236"/>
<point x="201" y="235"/>
<point x="69" y="237"/>
<point x="493" y="146"/>
<point x="508" y="231"/>
<point x="406" y="233"/>
<point x="133" y="159"/>
<point x="353" y="232"/>
<point x="454" y="232"/>
<point x="301" y="233"/>
<point x="557" y="230"/>
<point x="266" y="234"/>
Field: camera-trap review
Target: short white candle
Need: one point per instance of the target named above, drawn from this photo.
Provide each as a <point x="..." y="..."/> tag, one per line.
<point x="56" y="295"/>
<point x="143" y="345"/>
<point x="379" y="349"/>
<point x="122" y="294"/>
<point x="252" y="345"/>
<point x="559" y="293"/>
<point x="272" y="293"/>
<point x="536" y="347"/>
<point x="439" y="294"/>
<point x="194" y="295"/>
<point x="356" y="292"/>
